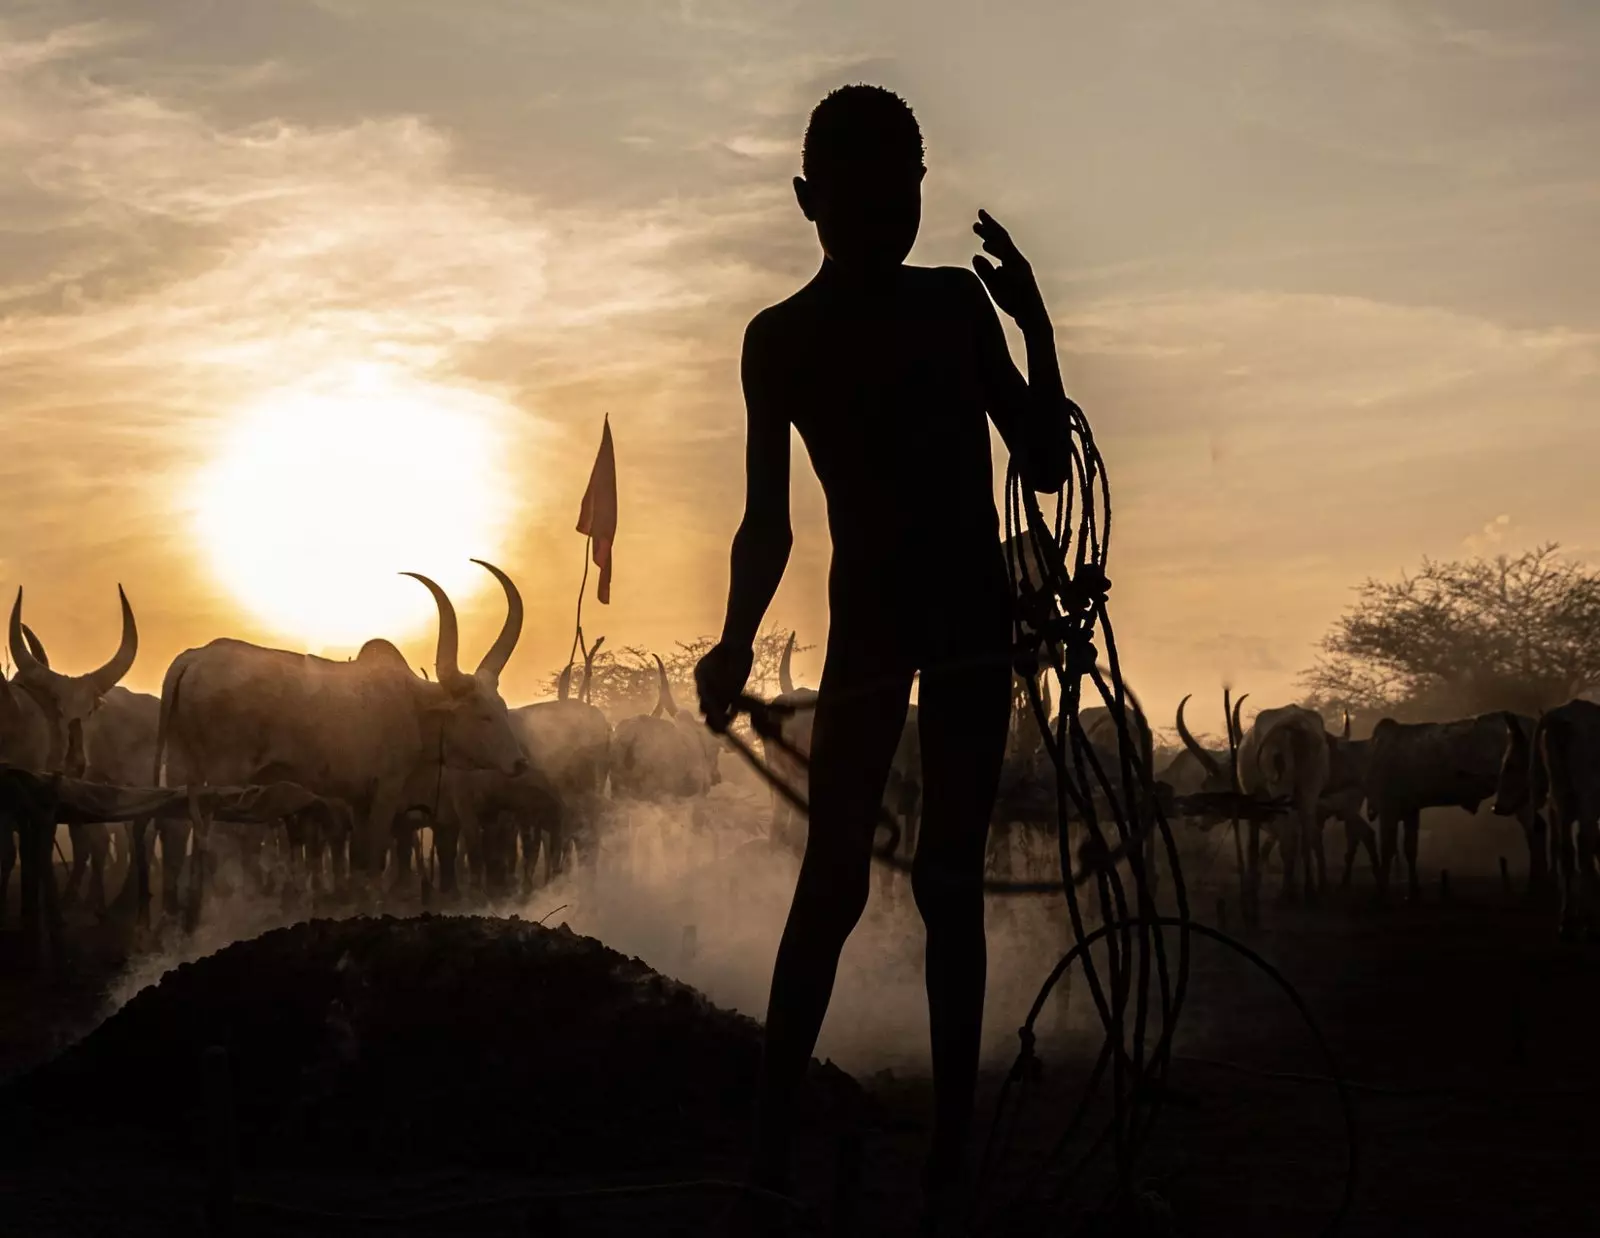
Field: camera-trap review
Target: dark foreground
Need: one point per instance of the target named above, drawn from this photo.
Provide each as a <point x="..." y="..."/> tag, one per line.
<point x="430" y="1076"/>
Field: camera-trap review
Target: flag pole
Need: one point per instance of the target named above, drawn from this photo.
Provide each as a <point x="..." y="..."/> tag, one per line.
<point x="577" y="627"/>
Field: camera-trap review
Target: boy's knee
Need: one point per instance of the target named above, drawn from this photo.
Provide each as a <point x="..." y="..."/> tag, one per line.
<point x="944" y="889"/>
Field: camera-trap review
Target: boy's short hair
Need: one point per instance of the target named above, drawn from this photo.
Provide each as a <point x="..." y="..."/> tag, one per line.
<point x="856" y="124"/>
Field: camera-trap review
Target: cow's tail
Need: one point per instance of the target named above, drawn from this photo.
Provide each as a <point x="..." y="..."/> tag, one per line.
<point x="169" y="705"/>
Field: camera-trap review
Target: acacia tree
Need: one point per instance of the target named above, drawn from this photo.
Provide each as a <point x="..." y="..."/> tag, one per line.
<point x="1463" y="638"/>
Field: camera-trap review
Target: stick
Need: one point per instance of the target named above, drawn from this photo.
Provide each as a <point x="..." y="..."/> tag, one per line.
<point x="577" y="627"/>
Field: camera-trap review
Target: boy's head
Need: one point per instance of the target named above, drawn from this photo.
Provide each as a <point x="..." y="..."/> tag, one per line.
<point x="862" y="176"/>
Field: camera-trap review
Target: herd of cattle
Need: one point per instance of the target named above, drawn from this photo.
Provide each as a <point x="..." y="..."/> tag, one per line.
<point x="396" y="749"/>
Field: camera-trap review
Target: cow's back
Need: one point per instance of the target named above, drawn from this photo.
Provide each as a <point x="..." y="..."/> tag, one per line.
<point x="651" y="759"/>
<point x="1412" y="766"/>
<point x="568" y="741"/>
<point x="119" y="739"/>
<point x="242" y="712"/>
<point x="1285" y="752"/>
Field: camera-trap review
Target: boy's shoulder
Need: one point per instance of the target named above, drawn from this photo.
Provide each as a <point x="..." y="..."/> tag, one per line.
<point x="809" y="302"/>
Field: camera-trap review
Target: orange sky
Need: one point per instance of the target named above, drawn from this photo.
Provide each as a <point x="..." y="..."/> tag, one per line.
<point x="1322" y="275"/>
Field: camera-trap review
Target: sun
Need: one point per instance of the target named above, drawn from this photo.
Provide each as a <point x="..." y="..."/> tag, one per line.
<point x="320" y="494"/>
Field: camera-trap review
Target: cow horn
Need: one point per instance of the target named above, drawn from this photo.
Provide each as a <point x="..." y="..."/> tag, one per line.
<point x="107" y="676"/>
<point x="1236" y="722"/>
<point x="445" y="667"/>
<point x="500" y="652"/>
<point x="564" y="682"/>
<point x="36" y="646"/>
<point x="1189" y="742"/>
<point x="28" y="666"/>
<point x="786" y="668"/>
<point x="664" y="701"/>
<point x="1345" y="734"/>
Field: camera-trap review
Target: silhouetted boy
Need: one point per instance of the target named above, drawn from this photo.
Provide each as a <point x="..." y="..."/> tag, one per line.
<point x="887" y="371"/>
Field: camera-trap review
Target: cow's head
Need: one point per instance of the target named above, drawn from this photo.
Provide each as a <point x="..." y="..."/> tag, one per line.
<point x="1513" y="787"/>
<point x="476" y="729"/>
<point x="706" y="744"/>
<point x="68" y="700"/>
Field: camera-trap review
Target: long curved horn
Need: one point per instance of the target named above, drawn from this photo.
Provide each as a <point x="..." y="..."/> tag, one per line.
<point x="28" y="667"/>
<point x="786" y="668"/>
<point x="36" y="646"/>
<point x="106" y="677"/>
<point x="1235" y="721"/>
<point x="1212" y="768"/>
<point x="1346" y="732"/>
<point x="500" y="652"/>
<point x="564" y="682"/>
<point x="445" y="667"/>
<point x="664" y="700"/>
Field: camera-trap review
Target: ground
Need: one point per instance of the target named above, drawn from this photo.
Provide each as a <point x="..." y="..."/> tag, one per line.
<point x="1463" y="1025"/>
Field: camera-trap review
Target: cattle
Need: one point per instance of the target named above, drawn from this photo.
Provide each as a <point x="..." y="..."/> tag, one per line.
<point x="70" y="700"/>
<point x="67" y="703"/>
<point x="1551" y="779"/>
<point x="796" y="711"/>
<point x="234" y="713"/>
<point x="1418" y="765"/>
<point x="118" y="740"/>
<point x="25" y="732"/>
<point x="553" y="806"/>
<point x="1344" y="796"/>
<point x="1198" y="770"/>
<point x="1105" y="739"/>
<point x="1285" y="754"/>
<point x="664" y="754"/>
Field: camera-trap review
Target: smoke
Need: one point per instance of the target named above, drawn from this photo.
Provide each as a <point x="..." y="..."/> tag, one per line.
<point x="697" y="892"/>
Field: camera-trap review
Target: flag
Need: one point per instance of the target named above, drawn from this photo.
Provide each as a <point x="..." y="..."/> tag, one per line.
<point x="597" y="519"/>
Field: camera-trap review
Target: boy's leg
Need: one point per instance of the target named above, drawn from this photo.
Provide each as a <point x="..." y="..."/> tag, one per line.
<point x="853" y="743"/>
<point x="963" y="715"/>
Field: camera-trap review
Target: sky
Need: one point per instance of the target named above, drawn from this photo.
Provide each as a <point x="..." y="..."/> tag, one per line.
<point x="1324" y="279"/>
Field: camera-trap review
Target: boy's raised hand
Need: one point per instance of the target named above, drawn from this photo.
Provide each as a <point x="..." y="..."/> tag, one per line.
<point x="1011" y="284"/>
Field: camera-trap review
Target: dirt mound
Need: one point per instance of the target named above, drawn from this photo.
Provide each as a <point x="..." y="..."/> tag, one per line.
<point x="398" y="1043"/>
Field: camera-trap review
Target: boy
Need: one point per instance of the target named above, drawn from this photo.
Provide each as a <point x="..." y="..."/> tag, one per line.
<point x="887" y="372"/>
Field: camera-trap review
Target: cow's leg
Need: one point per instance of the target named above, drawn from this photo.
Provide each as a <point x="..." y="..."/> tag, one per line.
<point x="79" y="837"/>
<point x="1534" y="830"/>
<point x="1292" y="839"/>
<point x="1412" y="823"/>
<point x="98" y="838"/>
<point x="8" y="858"/>
<point x="1387" y="830"/>
<point x="1352" y="844"/>
<point x="1316" y="885"/>
<point x="174" y="833"/>
<point x="1252" y="868"/>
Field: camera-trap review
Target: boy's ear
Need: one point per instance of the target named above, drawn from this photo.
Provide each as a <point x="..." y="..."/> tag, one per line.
<point x="802" y="195"/>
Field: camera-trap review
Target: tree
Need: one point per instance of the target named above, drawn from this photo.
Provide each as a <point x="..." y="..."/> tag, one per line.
<point x="626" y="681"/>
<point x="1464" y="638"/>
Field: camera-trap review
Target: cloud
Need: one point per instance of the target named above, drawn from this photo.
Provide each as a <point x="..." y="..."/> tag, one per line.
<point x="1491" y="537"/>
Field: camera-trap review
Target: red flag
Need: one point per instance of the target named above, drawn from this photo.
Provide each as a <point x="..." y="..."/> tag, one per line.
<point x="597" y="519"/>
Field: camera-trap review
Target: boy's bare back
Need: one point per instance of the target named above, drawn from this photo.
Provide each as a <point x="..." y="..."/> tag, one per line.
<point x="887" y="386"/>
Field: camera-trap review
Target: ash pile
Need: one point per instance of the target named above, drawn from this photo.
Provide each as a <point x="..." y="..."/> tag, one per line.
<point x="401" y="1044"/>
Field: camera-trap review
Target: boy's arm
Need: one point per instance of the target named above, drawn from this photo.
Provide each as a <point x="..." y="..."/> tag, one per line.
<point x="761" y="546"/>
<point x="1034" y="415"/>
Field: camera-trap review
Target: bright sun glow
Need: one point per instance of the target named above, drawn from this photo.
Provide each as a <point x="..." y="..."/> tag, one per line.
<point x="321" y="493"/>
